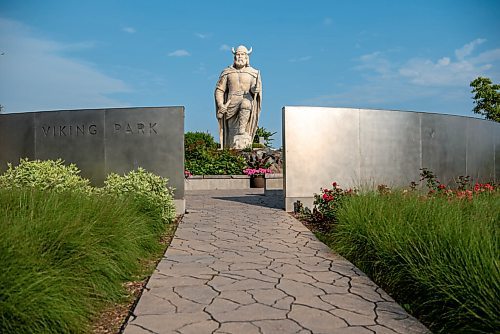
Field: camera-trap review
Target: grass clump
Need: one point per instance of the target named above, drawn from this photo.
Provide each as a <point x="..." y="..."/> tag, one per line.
<point x="64" y="255"/>
<point x="437" y="256"/>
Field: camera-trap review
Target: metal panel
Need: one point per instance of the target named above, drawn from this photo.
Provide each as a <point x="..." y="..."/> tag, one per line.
<point x="369" y="147"/>
<point x="320" y="147"/>
<point x="76" y="136"/>
<point x="444" y="146"/>
<point x="480" y="150"/>
<point x="100" y="141"/>
<point x="390" y="147"/>
<point x="17" y="139"/>
<point x="152" y="138"/>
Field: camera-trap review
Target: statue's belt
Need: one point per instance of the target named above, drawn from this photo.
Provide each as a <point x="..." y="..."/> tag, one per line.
<point x="240" y="93"/>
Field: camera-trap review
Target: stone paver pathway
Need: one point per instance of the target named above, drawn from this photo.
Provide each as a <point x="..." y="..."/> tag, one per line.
<point x="240" y="264"/>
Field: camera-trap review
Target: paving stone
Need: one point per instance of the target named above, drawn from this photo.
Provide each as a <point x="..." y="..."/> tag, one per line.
<point x="267" y="296"/>
<point x="350" y="302"/>
<point x="238" y="327"/>
<point x="294" y="288"/>
<point x="317" y="321"/>
<point x="354" y="318"/>
<point x="314" y="302"/>
<point x="168" y="323"/>
<point x="202" y="327"/>
<point x="220" y="305"/>
<point x="250" y="313"/>
<point x="278" y="326"/>
<point x="202" y="294"/>
<point x="152" y="304"/>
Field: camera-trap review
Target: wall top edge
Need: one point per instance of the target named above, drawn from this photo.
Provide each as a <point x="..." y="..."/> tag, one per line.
<point x="94" y="109"/>
<point x="312" y="108"/>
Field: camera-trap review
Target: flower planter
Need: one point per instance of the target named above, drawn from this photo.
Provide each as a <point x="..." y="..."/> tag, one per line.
<point x="257" y="181"/>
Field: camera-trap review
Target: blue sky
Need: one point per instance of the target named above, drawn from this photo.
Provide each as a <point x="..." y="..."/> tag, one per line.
<point x="405" y="55"/>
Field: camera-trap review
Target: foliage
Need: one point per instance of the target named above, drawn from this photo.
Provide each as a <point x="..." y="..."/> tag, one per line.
<point x="258" y="159"/>
<point x="262" y="132"/>
<point x="195" y="141"/>
<point x="63" y="256"/>
<point x="203" y="158"/>
<point x="45" y="175"/>
<point x="486" y="98"/>
<point x="258" y="145"/>
<point x="325" y="206"/>
<point x="149" y="191"/>
<point x="327" y="203"/>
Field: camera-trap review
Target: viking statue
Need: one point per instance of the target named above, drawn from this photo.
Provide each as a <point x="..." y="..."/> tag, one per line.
<point x="238" y="96"/>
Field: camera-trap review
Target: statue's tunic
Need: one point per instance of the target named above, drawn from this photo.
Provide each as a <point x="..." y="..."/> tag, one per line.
<point x="233" y="91"/>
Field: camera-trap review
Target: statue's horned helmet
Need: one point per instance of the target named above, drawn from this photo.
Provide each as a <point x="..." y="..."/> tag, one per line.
<point x="241" y="48"/>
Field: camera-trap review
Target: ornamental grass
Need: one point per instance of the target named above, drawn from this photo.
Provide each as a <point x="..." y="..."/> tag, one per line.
<point x="438" y="256"/>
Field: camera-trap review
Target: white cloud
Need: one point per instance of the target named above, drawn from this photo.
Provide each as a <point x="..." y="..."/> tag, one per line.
<point x="439" y="85"/>
<point x="448" y="72"/>
<point x="129" y="30"/>
<point x="468" y="48"/>
<point x="224" y="47"/>
<point x="37" y="76"/>
<point x="203" y="35"/>
<point x="375" y="61"/>
<point x="300" y="59"/>
<point x="179" y="53"/>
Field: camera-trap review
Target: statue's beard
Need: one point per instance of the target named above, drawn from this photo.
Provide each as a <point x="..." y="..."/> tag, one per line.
<point x="239" y="63"/>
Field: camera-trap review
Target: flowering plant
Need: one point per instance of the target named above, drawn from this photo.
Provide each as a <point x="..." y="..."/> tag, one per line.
<point x="256" y="171"/>
<point x="327" y="203"/>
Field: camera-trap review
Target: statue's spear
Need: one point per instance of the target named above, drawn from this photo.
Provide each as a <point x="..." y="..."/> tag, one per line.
<point x="222" y="123"/>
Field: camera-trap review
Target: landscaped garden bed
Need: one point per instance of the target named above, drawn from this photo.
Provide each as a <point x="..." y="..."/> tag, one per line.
<point x="70" y="252"/>
<point x="437" y="253"/>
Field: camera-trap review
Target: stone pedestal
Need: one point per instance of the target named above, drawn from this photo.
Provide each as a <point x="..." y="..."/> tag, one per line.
<point x="242" y="141"/>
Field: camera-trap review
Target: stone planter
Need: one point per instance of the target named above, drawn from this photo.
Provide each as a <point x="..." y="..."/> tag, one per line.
<point x="257" y="181"/>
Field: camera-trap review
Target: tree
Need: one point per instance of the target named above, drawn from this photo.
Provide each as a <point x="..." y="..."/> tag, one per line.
<point x="486" y="98"/>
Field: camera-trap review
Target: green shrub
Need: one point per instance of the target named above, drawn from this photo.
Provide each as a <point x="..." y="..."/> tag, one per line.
<point x="149" y="191"/>
<point x="202" y="156"/>
<point x="194" y="141"/>
<point x="262" y="132"/>
<point x="45" y="175"/>
<point x="64" y="255"/>
<point x="436" y="255"/>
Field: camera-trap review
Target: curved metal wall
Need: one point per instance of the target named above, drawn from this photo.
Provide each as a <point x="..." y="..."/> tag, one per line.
<point x="366" y="147"/>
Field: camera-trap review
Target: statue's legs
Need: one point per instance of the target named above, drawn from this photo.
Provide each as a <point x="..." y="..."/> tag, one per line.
<point x="243" y="121"/>
<point x="244" y="115"/>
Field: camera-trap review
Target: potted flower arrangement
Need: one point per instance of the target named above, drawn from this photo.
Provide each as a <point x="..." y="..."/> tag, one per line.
<point x="257" y="176"/>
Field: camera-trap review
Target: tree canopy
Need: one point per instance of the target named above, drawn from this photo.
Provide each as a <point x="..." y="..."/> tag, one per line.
<point x="486" y="98"/>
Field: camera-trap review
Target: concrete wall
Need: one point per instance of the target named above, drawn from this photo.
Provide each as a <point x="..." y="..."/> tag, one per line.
<point x="362" y="147"/>
<point x="101" y="141"/>
<point x="223" y="182"/>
